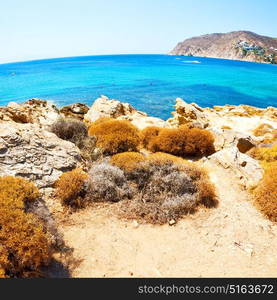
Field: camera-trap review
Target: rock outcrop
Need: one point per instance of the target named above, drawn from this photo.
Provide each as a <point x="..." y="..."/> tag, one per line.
<point x="75" y="111"/>
<point x="105" y="107"/>
<point x="28" y="151"/>
<point x="188" y="114"/>
<point x="35" y="111"/>
<point x="247" y="170"/>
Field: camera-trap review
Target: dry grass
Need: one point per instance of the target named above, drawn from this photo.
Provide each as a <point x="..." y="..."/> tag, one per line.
<point x="183" y="142"/>
<point x="70" y="188"/>
<point x="265" y="194"/>
<point x="115" y="136"/>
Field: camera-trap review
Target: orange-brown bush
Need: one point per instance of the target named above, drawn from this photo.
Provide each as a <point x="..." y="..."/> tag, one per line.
<point x="115" y="136"/>
<point x="24" y="244"/>
<point x="265" y="194"/>
<point x="127" y="161"/>
<point x="161" y="158"/>
<point x="183" y="142"/>
<point x="265" y="155"/>
<point x="148" y="134"/>
<point x="16" y="192"/>
<point x="70" y="188"/>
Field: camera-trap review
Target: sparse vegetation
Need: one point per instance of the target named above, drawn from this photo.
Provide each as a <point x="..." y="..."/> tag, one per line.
<point x="183" y="142"/>
<point x="115" y="136"/>
<point x="70" y="188"/>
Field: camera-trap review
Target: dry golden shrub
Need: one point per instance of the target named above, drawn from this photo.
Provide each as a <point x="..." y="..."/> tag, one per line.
<point x="127" y="161"/>
<point x="16" y="192"/>
<point x="164" y="158"/>
<point x="70" y="188"/>
<point x="265" y="194"/>
<point x="183" y="142"/>
<point x="24" y="244"/>
<point x="265" y="155"/>
<point x="115" y="136"/>
<point x="147" y="135"/>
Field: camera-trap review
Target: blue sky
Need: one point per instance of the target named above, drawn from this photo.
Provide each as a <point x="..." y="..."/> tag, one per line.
<point x="33" y="29"/>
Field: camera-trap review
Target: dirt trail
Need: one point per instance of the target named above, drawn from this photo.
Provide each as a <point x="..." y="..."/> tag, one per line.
<point x="233" y="240"/>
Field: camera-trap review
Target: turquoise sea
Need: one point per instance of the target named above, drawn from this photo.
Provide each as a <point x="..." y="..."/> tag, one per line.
<point x="149" y="82"/>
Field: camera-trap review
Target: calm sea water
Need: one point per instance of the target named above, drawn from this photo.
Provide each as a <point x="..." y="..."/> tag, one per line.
<point x="149" y="82"/>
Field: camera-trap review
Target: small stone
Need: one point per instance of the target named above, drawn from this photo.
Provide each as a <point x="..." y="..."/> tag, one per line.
<point x="172" y="222"/>
<point x="135" y="224"/>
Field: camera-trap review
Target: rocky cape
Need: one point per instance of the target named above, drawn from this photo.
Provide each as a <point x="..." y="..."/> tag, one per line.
<point x="29" y="149"/>
<point x="237" y="45"/>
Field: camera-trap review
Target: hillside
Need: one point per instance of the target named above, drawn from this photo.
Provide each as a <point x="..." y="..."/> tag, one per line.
<point x="237" y="45"/>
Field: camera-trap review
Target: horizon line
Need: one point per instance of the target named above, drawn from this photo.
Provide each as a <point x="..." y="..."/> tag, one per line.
<point x="89" y="55"/>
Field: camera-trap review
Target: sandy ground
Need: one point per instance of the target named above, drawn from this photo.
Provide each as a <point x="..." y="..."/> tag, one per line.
<point x="233" y="240"/>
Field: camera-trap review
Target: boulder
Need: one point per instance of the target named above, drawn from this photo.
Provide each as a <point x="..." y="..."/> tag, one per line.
<point x="246" y="169"/>
<point x="75" y="111"/>
<point x="188" y="114"/>
<point x="35" y="111"/>
<point x="28" y="151"/>
<point x="105" y="107"/>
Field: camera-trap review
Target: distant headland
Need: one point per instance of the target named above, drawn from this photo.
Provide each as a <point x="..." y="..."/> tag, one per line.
<point x="236" y="45"/>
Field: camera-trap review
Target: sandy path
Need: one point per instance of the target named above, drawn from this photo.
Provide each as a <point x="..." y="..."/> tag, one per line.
<point x="233" y="240"/>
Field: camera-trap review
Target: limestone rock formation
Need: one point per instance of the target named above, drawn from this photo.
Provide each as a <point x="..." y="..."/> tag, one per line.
<point x="188" y="114"/>
<point x="243" y="167"/>
<point x="36" y="111"/>
<point x="105" y="107"/>
<point x="230" y="138"/>
<point x="75" y="111"/>
<point x="29" y="151"/>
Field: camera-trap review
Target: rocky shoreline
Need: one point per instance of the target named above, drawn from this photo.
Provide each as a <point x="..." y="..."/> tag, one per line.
<point x="28" y="149"/>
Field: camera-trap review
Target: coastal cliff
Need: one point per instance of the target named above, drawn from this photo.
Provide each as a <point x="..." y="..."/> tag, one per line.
<point x="237" y="45"/>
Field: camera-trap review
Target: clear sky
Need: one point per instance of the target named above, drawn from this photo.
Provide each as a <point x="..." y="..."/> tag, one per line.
<point x="33" y="29"/>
